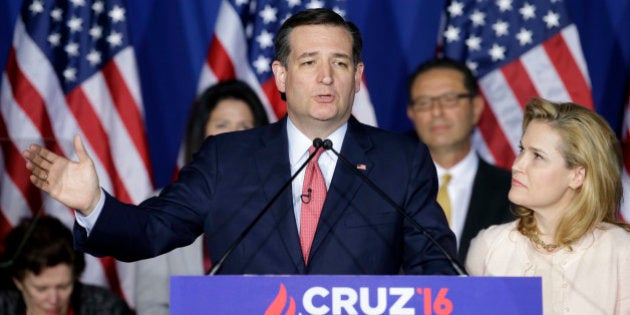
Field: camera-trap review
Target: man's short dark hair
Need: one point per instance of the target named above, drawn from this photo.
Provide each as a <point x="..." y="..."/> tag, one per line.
<point x="470" y="82"/>
<point x="315" y="17"/>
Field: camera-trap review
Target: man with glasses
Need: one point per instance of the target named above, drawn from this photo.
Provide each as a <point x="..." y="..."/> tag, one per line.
<point x="444" y="107"/>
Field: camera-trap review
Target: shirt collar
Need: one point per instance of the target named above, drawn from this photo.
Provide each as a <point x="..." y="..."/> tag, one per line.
<point x="470" y="162"/>
<point x="299" y="143"/>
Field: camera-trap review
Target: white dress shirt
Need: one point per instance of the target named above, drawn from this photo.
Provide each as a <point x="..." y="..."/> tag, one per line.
<point x="460" y="190"/>
<point x="298" y="153"/>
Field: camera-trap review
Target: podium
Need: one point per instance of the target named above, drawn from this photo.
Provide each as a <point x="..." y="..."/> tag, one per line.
<point x="400" y="295"/>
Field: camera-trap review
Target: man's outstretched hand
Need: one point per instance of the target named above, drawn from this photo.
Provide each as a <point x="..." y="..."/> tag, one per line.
<point x="75" y="184"/>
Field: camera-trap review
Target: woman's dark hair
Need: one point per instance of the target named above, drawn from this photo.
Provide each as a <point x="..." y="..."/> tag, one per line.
<point x="207" y="102"/>
<point x="38" y="243"/>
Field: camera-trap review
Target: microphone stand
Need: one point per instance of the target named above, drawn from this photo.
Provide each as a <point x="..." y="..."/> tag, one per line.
<point x="27" y="236"/>
<point x="327" y="144"/>
<point x="317" y="143"/>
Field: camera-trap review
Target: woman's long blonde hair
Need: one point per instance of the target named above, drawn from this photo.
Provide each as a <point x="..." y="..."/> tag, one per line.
<point x="589" y="142"/>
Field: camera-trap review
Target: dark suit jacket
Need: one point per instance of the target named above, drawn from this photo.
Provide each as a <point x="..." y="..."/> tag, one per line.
<point x="489" y="203"/>
<point x="234" y="176"/>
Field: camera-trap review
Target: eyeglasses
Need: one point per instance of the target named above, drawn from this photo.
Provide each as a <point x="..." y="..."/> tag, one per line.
<point x="447" y="100"/>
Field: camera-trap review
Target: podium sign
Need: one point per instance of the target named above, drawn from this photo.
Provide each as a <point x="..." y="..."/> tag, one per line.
<point x="402" y="295"/>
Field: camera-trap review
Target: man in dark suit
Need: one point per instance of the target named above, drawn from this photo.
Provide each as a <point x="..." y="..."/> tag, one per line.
<point x="445" y="107"/>
<point x="233" y="176"/>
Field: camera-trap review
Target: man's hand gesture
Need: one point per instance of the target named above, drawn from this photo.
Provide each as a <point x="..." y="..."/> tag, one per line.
<point x="75" y="184"/>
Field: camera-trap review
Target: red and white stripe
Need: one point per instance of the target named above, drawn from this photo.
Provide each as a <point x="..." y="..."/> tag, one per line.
<point x="106" y="110"/>
<point x="555" y="70"/>
<point x="227" y="59"/>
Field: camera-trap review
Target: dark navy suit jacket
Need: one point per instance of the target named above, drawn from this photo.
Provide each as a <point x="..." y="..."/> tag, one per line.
<point x="489" y="203"/>
<point x="234" y="175"/>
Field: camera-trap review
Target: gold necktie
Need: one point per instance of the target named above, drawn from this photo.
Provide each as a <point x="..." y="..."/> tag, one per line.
<point x="443" y="198"/>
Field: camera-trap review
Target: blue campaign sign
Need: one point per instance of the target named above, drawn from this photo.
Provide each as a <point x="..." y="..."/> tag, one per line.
<point x="403" y="295"/>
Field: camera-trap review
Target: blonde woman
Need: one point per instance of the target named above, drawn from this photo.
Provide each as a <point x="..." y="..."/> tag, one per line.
<point x="566" y="187"/>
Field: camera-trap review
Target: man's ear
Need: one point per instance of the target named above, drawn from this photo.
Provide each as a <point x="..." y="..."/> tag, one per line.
<point x="409" y="112"/>
<point x="478" y="104"/>
<point x="358" y="76"/>
<point x="280" y="75"/>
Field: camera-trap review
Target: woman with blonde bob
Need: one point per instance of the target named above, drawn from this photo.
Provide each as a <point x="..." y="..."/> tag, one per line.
<point x="566" y="188"/>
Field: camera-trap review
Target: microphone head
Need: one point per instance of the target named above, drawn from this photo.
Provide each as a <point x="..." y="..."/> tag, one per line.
<point x="317" y="143"/>
<point x="327" y="144"/>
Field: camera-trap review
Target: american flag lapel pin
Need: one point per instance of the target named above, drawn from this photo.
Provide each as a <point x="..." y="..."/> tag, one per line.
<point x="361" y="167"/>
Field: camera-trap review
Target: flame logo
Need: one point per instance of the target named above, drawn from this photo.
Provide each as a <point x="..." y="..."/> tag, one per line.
<point x="279" y="303"/>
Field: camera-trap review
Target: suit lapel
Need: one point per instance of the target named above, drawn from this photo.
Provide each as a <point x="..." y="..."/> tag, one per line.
<point x="476" y="216"/>
<point x="274" y="171"/>
<point x="344" y="183"/>
<point x="487" y="200"/>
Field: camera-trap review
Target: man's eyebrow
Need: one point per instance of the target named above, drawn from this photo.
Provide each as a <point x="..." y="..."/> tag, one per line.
<point x="308" y="54"/>
<point x="342" y="55"/>
<point x="314" y="53"/>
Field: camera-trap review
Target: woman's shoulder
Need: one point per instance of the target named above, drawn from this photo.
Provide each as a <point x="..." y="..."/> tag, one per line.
<point x="499" y="230"/>
<point x="613" y="233"/>
<point x="612" y="230"/>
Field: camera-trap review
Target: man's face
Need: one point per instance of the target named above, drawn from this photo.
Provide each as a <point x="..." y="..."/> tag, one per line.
<point x="445" y="129"/>
<point x="319" y="79"/>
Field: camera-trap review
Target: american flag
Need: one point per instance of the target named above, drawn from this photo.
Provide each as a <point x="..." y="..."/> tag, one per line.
<point x="518" y="49"/>
<point x="174" y="37"/>
<point x="72" y="71"/>
<point x="242" y="47"/>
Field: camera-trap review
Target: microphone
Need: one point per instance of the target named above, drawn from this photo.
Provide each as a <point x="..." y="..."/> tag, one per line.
<point x="318" y="144"/>
<point x="327" y="145"/>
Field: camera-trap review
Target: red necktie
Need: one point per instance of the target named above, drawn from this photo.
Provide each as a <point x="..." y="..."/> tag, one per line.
<point x="207" y="261"/>
<point x="313" y="196"/>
